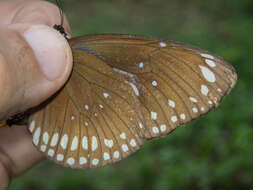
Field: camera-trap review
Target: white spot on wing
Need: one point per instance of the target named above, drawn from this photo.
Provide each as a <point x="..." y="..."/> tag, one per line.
<point x="193" y="99"/>
<point x="174" y="119"/>
<point x="171" y="103"/>
<point x="182" y="116"/>
<point x="71" y="161"/>
<point x="195" y="110"/>
<point x="95" y="161"/>
<point x="204" y="90"/>
<point x="163" y="127"/>
<point x="106" y="156"/>
<point x="140" y="125"/>
<point x="64" y="141"/>
<point x="163" y="44"/>
<point x="106" y="95"/>
<point x="155" y="130"/>
<point x="82" y="160"/>
<point x="86" y="107"/>
<point x="50" y="152"/>
<point x="124" y="147"/>
<point x="36" y="136"/>
<point x="74" y="144"/>
<point x="141" y="65"/>
<point x="210" y="63"/>
<point x="43" y="148"/>
<point x="123" y="135"/>
<point x="32" y="126"/>
<point x="108" y="143"/>
<point x="116" y="154"/>
<point x="207" y="56"/>
<point x="94" y="143"/>
<point x="208" y="74"/>
<point x="54" y="139"/>
<point x="154" y="83"/>
<point x="60" y="157"/>
<point x="45" y="137"/>
<point x="133" y="143"/>
<point x="85" y="143"/>
<point x="153" y="115"/>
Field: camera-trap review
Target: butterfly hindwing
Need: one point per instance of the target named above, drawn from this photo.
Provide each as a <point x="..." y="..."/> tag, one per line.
<point x="93" y="121"/>
<point x="125" y="89"/>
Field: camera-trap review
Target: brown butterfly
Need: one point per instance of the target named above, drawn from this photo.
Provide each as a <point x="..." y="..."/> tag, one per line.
<point x="124" y="90"/>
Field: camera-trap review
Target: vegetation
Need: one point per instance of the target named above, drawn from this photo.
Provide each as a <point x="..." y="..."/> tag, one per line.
<point x="214" y="152"/>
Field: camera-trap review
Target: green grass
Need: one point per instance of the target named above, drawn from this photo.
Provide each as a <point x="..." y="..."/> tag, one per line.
<point x="214" y="152"/>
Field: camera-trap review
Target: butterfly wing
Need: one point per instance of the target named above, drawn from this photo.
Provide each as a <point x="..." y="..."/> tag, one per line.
<point x="92" y="121"/>
<point x="125" y="89"/>
<point x="174" y="82"/>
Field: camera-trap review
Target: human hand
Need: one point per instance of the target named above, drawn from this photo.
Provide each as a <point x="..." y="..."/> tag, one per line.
<point x="35" y="61"/>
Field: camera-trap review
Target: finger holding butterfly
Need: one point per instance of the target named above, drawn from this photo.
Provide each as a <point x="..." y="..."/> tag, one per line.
<point x="35" y="61"/>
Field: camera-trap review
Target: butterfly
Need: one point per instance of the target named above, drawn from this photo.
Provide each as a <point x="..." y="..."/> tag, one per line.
<point x="123" y="91"/>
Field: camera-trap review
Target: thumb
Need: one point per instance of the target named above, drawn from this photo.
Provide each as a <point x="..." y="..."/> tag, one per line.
<point x="35" y="62"/>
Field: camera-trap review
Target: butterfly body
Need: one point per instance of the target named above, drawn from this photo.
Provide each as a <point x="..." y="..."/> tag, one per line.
<point x="124" y="90"/>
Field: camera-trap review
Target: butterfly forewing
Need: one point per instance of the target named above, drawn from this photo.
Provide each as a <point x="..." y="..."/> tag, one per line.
<point x="125" y="89"/>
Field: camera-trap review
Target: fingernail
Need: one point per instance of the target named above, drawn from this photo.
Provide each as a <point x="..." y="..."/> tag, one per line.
<point x="50" y="49"/>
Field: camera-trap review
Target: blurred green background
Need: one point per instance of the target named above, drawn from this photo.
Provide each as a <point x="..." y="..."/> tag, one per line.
<point x="214" y="152"/>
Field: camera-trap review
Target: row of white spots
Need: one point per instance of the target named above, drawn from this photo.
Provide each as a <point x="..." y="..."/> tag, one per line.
<point x="208" y="74"/>
<point x="64" y="142"/>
